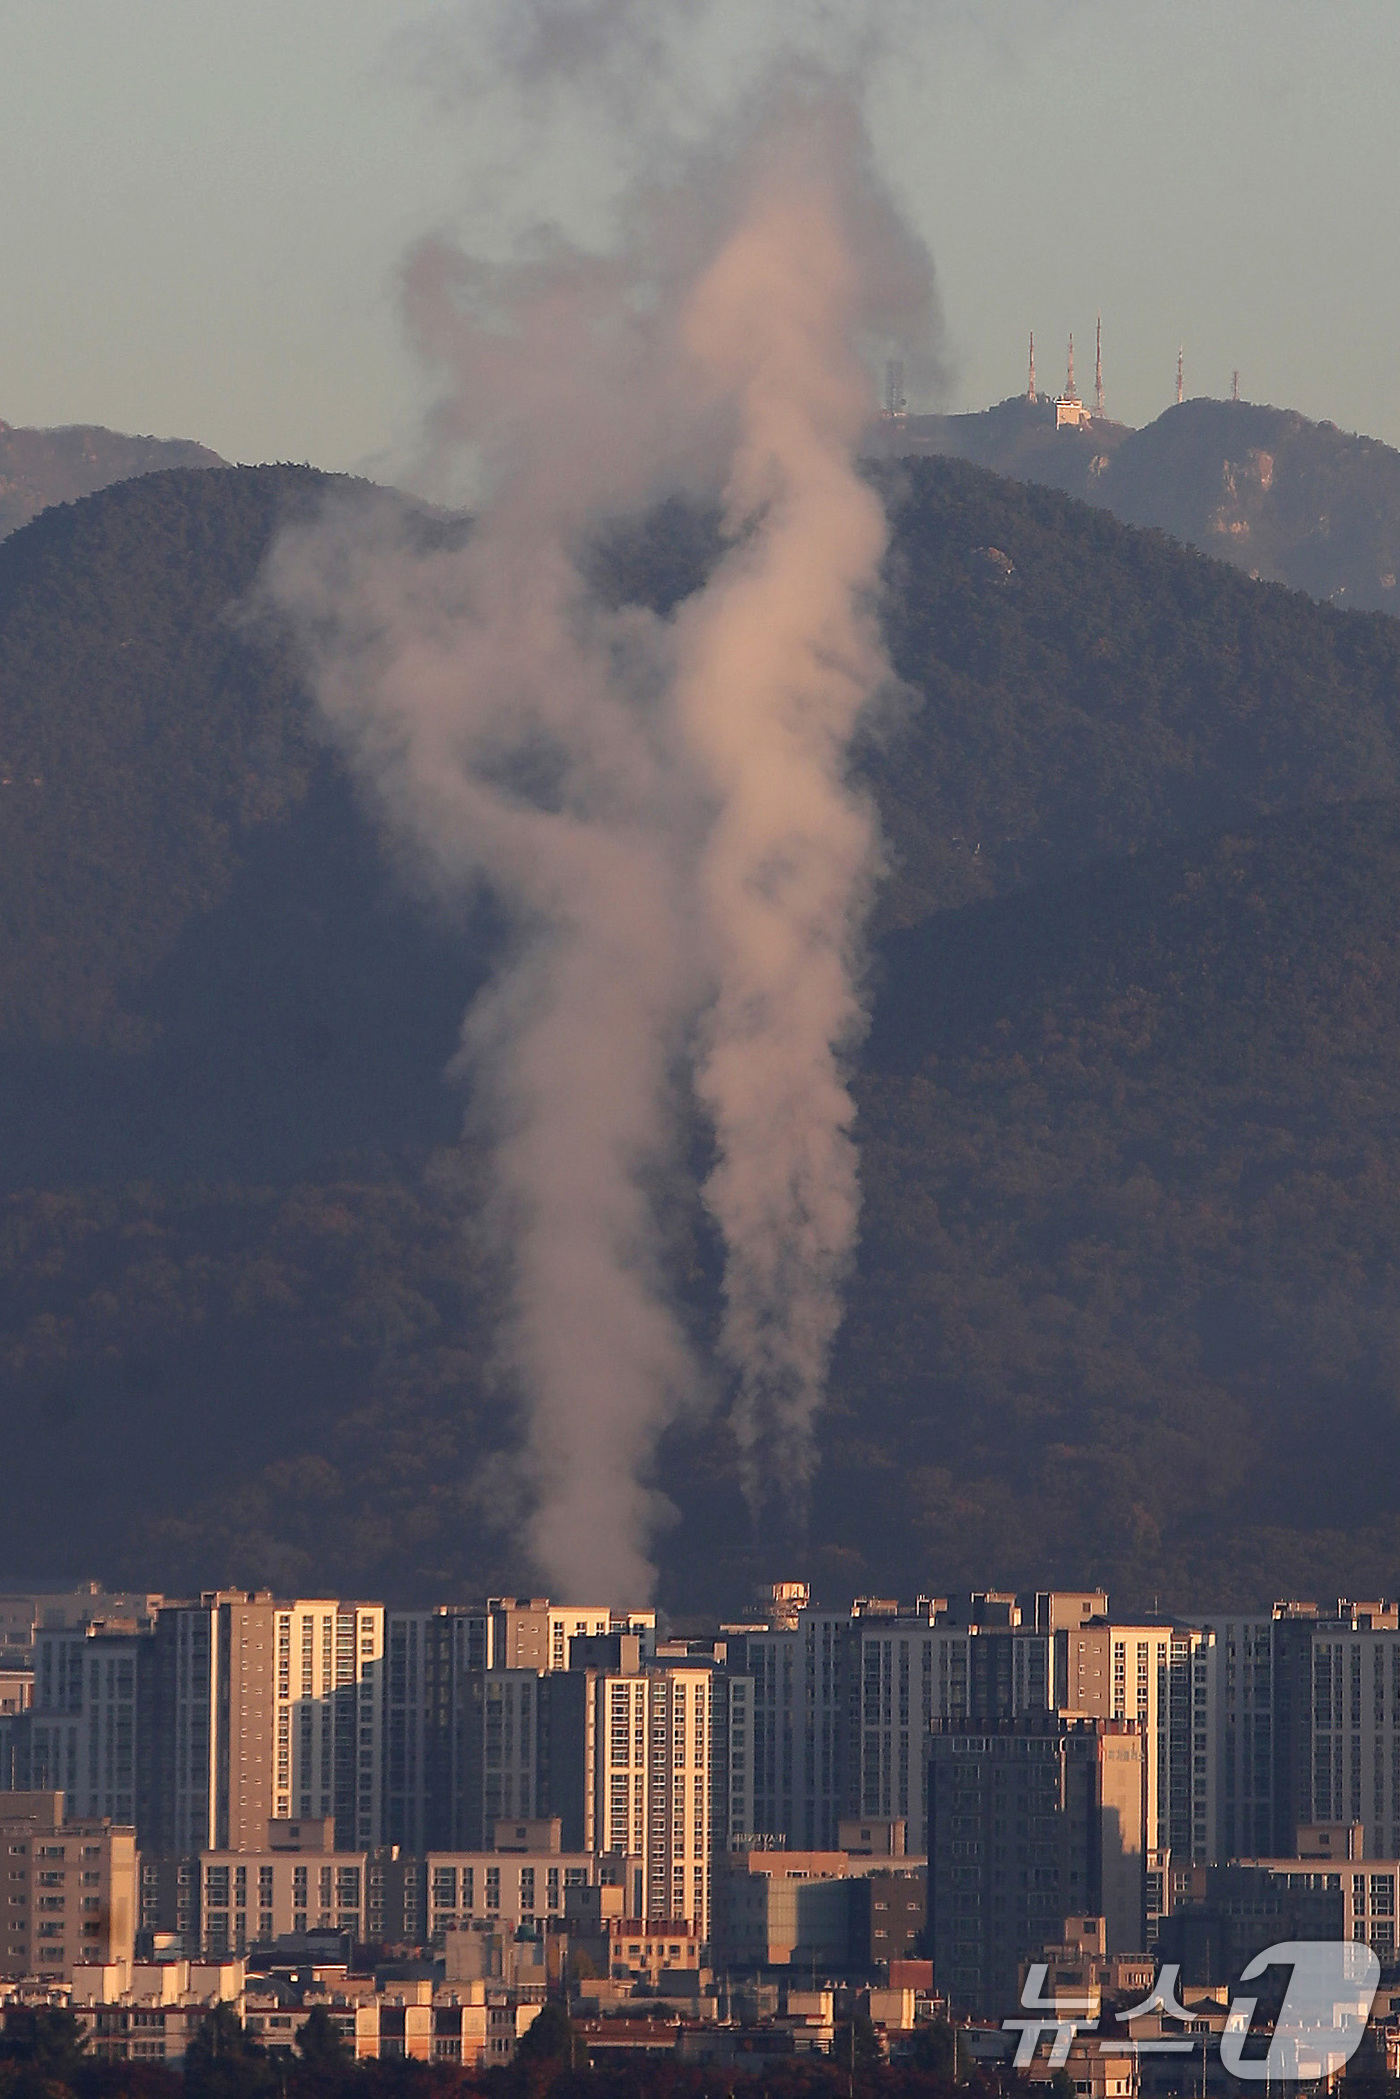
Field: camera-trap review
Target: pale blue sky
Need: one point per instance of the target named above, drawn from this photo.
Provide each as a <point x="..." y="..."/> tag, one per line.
<point x="205" y="201"/>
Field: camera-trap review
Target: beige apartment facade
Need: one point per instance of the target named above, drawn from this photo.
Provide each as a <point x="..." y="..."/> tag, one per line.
<point x="299" y="1883"/>
<point x="326" y="1708"/>
<point x="278" y="1716"/>
<point x="1113" y="1671"/>
<point x="68" y="1892"/>
<point x="467" y="1889"/>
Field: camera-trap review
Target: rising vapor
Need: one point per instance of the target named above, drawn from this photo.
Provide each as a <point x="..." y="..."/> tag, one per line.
<point x="662" y="805"/>
<point x="777" y="660"/>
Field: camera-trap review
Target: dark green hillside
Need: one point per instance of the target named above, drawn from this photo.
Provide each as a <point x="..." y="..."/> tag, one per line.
<point x="1110" y="689"/>
<point x="1130" y="1292"/>
<point x="1127" y="1304"/>
<point x="278" y="1384"/>
<point x="204" y="967"/>
<point x="142" y="737"/>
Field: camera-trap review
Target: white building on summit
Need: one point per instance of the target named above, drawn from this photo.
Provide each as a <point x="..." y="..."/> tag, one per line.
<point x="1070" y="411"/>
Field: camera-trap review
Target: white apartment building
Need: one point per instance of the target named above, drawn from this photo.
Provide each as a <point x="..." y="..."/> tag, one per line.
<point x="1114" y="1671"/>
<point x="535" y="1634"/>
<point x="671" y="1771"/>
<point x="1179" y="1683"/>
<point x="328" y="1716"/>
<point x="217" y="1718"/>
<point x="566" y="1622"/>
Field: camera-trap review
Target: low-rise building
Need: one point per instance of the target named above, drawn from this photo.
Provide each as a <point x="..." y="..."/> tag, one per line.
<point x="1080" y="1969"/>
<point x="891" y="2010"/>
<point x="788" y="1908"/>
<point x="506" y="1888"/>
<point x="655" y="1951"/>
<point x="889" y="1913"/>
<point x="299" y="1884"/>
<point x="1094" y="2073"/>
<point x="147" y="2011"/>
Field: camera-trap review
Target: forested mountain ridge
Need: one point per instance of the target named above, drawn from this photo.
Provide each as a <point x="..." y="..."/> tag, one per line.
<point x="140" y="734"/>
<point x="1126" y="1302"/>
<point x="40" y="467"/>
<point x="1281" y="497"/>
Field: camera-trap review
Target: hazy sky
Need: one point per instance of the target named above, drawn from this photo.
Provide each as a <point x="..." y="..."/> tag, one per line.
<point x="206" y="201"/>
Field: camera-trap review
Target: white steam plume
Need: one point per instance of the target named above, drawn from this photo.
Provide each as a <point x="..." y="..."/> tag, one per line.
<point x="776" y="662"/>
<point x="662" y="804"/>
<point x="510" y="731"/>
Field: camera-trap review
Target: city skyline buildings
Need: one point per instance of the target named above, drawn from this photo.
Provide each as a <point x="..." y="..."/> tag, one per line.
<point x="519" y="1766"/>
<point x="201" y="1722"/>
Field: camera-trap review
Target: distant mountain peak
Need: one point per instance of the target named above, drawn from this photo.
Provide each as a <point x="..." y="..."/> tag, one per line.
<point x="1284" y="498"/>
<point x="42" y="467"/>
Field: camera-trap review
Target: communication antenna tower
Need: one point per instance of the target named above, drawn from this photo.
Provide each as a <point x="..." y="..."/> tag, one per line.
<point x="1180" y="361"/>
<point x="1098" y="365"/>
<point x="1235" y="385"/>
<point x="895" y="402"/>
<point x="1070" y="394"/>
<point x="1030" y="386"/>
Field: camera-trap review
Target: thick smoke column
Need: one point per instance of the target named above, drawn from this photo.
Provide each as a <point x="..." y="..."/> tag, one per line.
<point x="511" y="732"/>
<point x="661" y="805"/>
<point x="777" y="661"/>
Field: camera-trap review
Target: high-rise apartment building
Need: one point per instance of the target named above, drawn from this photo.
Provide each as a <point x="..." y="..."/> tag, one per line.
<point x="1030" y="1821"/>
<point x="24" y="1614"/>
<point x="416" y="1731"/>
<point x="84" y="1731"/>
<point x="430" y="1724"/>
<point x="1336" y="1721"/>
<point x="1175" y="1681"/>
<point x="844" y="1700"/>
<point x="1113" y="1671"/>
<point x="513" y="1778"/>
<point x="466" y="1714"/>
<point x="536" y="1634"/>
<point x="328" y="1712"/>
<point x="1232" y="1673"/>
<point x="664" y="1783"/>
<point x="799" y="1748"/>
<point x="916" y="1667"/>
<point x="179" y="1729"/>
<point x="217" y="1717"/>
<point x="261" y="1710"/>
